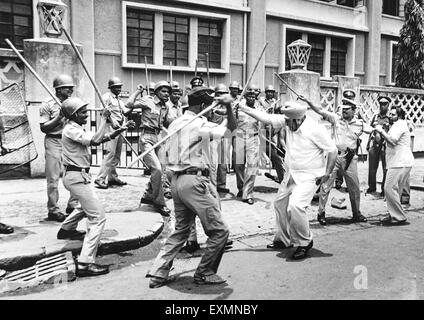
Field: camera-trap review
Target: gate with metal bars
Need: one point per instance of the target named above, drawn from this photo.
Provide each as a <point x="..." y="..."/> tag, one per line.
<point x="17" y="136"/>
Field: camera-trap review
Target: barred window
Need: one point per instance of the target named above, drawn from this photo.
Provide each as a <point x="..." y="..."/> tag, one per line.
<point x="175" y="40"/>
<point x="140" y="28"/>
<point x="209" y="41"/>
<point x="16" y="22"/>
<point x="291" y="36"/>
<point x="316" y="60"/>
<point x="338" y="56"/>
<point x="391" y="7"/>
<point x="351" y="3"/>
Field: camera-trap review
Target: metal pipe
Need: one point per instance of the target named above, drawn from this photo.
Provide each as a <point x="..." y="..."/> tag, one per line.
<point x="147" y="76"/>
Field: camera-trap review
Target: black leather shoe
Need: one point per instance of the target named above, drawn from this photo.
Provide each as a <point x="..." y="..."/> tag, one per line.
<point x="58" y="217"/>
<point x="301" y="252"/>
<point x="382" y="194"/>
<point x="369" y="190"/>
<point x="278" y="245"/>
<point x="210" y="279"/>
<point x="146" y="201"/>
<point x="163" y="210"/>
<point x="223" y="190"/>
<point x="239" y="194"/>
<point x="100" y="184"/>
<point x="70" y="235"/>
<point x="191" y="247"/>
<point x="91" y="270"/>
<point x="5" y="229"/>
<point x="321" y="219"/>
<point x="156" y="282"/>
<point x="391" y="222"/>
<point x="249" y="201"/>
<point x="359" y="218"/>
<point x="117" y="182"/>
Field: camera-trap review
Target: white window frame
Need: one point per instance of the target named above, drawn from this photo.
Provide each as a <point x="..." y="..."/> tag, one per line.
<point x="389" y="80"/>
<point x="193" y="33"/>
<point x="350" y="55"/>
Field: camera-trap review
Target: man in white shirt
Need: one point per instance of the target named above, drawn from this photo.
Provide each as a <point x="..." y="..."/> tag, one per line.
<point x="307" y="143"/>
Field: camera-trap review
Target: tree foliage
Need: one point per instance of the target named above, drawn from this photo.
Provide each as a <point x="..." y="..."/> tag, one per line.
<point x="410" y="68"/>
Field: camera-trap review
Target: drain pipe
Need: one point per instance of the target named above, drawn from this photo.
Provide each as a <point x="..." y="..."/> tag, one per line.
<point x="245" y="45"/>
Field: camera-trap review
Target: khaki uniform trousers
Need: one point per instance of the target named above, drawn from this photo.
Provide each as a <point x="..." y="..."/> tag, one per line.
<point x="396" y="180"/>
<point x="54" y="169"/>
<point x="81" y="189"/>
<point x="154" y="190"/>
<point x="194" y="196"/>
<point x="246" y="156"/>
<point x="352" y="182"/>
<point x="111" y="160"/>
<point x="292" y="222"/>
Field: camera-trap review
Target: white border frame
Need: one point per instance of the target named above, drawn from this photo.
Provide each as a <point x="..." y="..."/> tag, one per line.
<point x="389" y="80"/>
<point x="158" y="38"/>
<point x="350" y="56"/>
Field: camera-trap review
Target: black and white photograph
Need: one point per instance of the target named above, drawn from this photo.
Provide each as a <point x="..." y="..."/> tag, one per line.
<point x="211" y="156"/>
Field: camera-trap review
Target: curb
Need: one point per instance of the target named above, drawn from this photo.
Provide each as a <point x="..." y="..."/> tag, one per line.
<point x="105" y="248"/>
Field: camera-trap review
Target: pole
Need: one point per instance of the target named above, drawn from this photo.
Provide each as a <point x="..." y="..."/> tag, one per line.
<point x="170" y="73"/>
<point x="282" y="80"/>
<point x="147" y="75"/>
<point x="56" y="99"/>
<point x="195" y="69"/>
<point x="207" y="69"/>
<point x="71" y="41"/>
<point x="213" y="105"/>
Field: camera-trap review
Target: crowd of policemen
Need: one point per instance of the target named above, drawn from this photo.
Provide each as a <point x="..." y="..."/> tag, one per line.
<point x="157" y="106"/>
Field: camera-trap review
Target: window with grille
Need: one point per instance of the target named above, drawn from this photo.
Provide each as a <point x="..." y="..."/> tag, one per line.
<point x="338" y="56"/>
<point x="391" y="7"/>
<point x="175" y="40"/>
<point x="351" y="3"/>
<point x="140" y="28"/>
<point x="316" y="60"/>
<point x="16" y="22"/>
<point x="291" y="36"/>
<point x="209" y="41"/>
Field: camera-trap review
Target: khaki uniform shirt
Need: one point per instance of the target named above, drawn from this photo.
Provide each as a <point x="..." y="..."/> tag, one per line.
<point x="48" y="111"/>
<point x="175" y="112"/>
<point x="346" y="133"/>
<point x="267" y="104"/>
<point x="154" y="112"/>
<point x="76" y="145"/>
<point x="191" y="147"/>
<point x="116" y="107"/>
<point x="246" y="123"/>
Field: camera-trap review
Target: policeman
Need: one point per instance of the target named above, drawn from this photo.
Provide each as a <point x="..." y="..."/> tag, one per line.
<point x="113" y="148"/>
<point x="154" y="113"/>
<point x="193" y="192"/>
<point x="376" y="146"/>
<point x="152" y="89"/>
<point x="234" y="89"/>
<point x="246" y="146"/>
<point x="4" y="229"/>
<point x="175" y="111"/>
<point x="52" y="122"/>
<point x="197" y="81"/>
<point x="268" y="104"/>
<point x="77" y="159"/>
<point x="346" y="131"/>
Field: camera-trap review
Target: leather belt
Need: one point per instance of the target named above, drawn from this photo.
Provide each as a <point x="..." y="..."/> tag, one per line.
<point x="76" y="169"/>
<point x="55" y="136"/>
<point x="195" y="172"/>
<point x="150" y="130"/>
